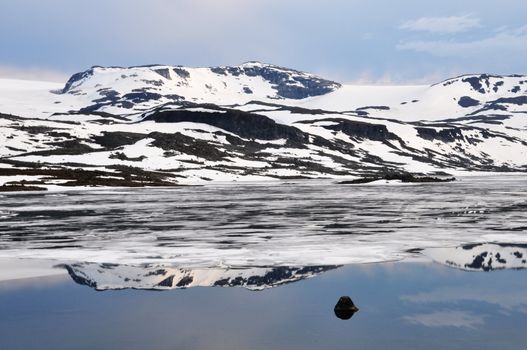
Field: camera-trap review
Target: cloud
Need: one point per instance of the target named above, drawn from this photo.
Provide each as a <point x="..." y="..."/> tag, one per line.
<point x="32" y="73"/>
<point x="505" y="41"/>
<point x="442" y="25"/>
<point x="315" y="36"/>
<point x="458" y="319"/>
<point x="512" y="299"/>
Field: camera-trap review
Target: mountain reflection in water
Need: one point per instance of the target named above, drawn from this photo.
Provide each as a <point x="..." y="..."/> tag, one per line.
<point x="472" y="257"/>
<point x="402" y="306"/>
<point x="113" y="276"/>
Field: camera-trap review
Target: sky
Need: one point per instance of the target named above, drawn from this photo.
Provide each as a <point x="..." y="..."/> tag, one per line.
<point x="403" y="41"/>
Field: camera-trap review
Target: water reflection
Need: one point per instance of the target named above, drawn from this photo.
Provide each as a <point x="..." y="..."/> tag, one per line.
<point x="449" y="318"/>
<point x="482" y="256"/>
<point x="106" y="276"/>
<point x="113" y="276"/>
<point x="403" y="306"/>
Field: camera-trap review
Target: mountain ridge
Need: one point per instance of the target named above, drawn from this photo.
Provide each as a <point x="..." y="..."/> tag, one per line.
<point x="162" y="125"/>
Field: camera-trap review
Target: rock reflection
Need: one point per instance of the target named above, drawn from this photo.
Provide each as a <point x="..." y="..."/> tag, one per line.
<point x="113" y="276"/>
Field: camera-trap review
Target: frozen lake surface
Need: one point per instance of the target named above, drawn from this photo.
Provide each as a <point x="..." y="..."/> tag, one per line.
<point x="297" y="223"/>
<point x="260" y="236"/>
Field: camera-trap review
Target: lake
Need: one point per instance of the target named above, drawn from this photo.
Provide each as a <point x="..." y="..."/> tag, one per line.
<point x="259" y="266"/>
<point x="402" y="306"/>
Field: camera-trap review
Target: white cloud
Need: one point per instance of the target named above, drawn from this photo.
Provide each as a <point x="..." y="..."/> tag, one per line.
<point x="458" y="319"/>
<point x="511" y="299"/>
<point x="508" y="41"/>
<point x="452" y="24"/>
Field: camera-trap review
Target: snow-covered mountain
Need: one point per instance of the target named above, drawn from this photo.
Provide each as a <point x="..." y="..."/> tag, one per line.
<point x="162" y="125"/>
<point x="112" y="276"/>
<point x="123" y="90"/>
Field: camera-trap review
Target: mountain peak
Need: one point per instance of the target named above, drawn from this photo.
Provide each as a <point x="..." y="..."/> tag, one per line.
<point x="487" y="83"/>
<point x="158" y="84"/>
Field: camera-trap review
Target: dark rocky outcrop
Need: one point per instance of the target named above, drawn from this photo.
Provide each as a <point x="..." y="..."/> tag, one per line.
<point x="76" y="78"/>
<point x="142" y="96"/>
<point x="380" y="108"/>
<point x="123" y="176"/>
<point x="518" y="100"/>
<point x="289" y="83"/>
<point x="167" y="282"/>
<point x="356" y="129"/>
<point x="466" y="101"/>
<point x="111" y="140"/>
<point x="187" y="145"/>
<point x="244" y="124"/>
<point x="444" y="135"/>
<point x="164" y="72"/>
<point x="20" y="187"/>
<point x="183" y="73"/>
<point x="403" y="177"/>
<point x="478" y="83"/>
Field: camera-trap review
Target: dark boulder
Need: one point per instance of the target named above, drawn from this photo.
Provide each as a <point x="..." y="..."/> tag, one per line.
<point x="345" y="309"/>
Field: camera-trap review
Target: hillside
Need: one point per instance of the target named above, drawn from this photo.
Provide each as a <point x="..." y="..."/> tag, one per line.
<point x="167" y="125"/>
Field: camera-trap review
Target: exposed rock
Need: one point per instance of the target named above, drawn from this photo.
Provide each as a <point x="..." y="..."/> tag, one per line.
<point x="478" y="83"/>
<point x="164" y="72"/>
<point x="404" y="177"/>
<point x="444" y="135"/>
<point x="75" y="78"/>
<point x="244" y="124"/>
<point x="288" y="83"/>
<point x="466" y="101"/>
<point x="20" y="188"/>
<point x="356" y="129"/>
<point x="345" y="308"/>
<point x="111" y="140"/>
<point x="183" y="73"/>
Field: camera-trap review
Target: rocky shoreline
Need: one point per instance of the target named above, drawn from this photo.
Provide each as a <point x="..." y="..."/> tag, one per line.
<point x="405" y="178"/>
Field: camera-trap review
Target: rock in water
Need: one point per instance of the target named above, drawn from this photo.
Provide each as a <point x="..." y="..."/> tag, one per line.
<point x="345" y="308"/>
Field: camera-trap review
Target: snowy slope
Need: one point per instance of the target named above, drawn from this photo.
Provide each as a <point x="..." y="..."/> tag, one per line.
<point x="31" y="99"/>
<point x="127" y="91"/>
<point x="170" y="124"/>
<point x="453" y="98"/>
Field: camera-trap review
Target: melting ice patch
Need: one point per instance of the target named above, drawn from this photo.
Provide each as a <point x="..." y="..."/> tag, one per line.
<point x="302" y="223"/>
